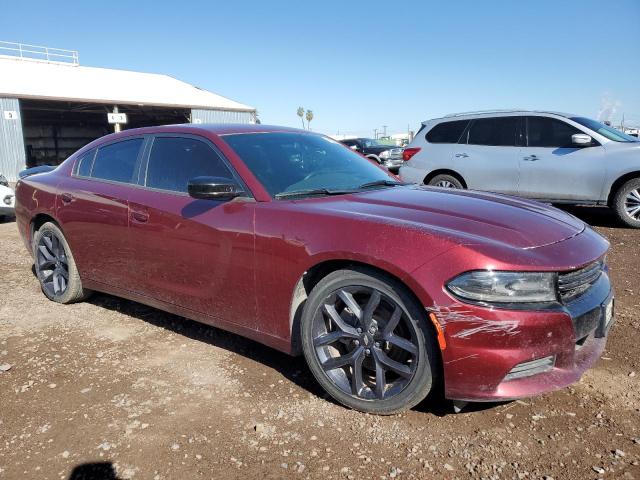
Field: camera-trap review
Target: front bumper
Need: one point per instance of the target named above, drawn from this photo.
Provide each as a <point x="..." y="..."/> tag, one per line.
<point x="485" y="346"/>
<point x="393" y="164"/>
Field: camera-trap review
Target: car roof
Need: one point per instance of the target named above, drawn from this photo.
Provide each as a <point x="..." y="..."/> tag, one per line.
<point x="215" y="128"/>
<point x="493" y="113"/>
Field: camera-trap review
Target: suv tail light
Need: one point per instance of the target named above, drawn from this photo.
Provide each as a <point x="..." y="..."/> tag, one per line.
<point x="408" y="153"/>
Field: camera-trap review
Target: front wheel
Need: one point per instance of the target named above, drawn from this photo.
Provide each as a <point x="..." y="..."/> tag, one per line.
<point x="626" y="203"/>
<point x="55" y="267"/>
<point x="367" y="342"/>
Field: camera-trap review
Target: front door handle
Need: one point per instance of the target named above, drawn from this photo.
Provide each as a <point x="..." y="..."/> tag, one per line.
<point x="461" y="155"/>
<point x="531" y="158"/>
<point x="139" y="216"/>
<point x="66" y="198"/>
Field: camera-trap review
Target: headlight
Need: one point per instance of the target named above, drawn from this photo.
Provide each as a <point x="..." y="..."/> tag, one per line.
<point x="505" y="287"/>
<point x="8" y="200"/>
<point x="385" y="154"/>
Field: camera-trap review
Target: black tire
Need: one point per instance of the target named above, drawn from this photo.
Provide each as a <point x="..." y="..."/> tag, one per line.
<point x="409" y="384"/>
<point x="55" y="267"/>
<point x="626" y="203"/>
<point x="445" y="181"/>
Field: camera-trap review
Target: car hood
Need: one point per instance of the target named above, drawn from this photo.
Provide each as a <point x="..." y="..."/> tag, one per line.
<point x="467" y="217"/>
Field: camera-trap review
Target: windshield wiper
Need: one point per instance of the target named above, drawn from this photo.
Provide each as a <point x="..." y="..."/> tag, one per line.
<point x="311" y="192"/>
<point x="381" y="183"/>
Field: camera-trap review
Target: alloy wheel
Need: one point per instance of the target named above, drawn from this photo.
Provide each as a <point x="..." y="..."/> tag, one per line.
<point x="53" y="265"/>
<point x="365" y="343"/>
<point x="445" y="184"/>
<point x="632" y="204"/>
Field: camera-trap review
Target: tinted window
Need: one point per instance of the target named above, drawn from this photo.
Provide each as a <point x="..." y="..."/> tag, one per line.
<point x="85" y="163"/>
<point x="500" y="131"/>
<point x="549" y="132"/>
<point x="447" y="132"/>
<point x="174" y="161"/>
<point x="117" y="161"/>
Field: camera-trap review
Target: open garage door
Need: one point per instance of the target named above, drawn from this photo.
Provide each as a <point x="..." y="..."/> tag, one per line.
<point x="53" y="130"/>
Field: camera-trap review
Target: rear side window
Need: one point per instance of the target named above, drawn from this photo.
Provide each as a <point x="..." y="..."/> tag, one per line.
<point x="447" y="132"/>
<point x="117" y="161"/>
<point x="549" y="132"/>
<point x="499" y="131"/>
<point x="173" y="161"/>
<point x="85" y="163"/>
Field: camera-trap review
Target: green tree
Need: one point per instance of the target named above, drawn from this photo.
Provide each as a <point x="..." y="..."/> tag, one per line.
<point x="301" y="115"/>
<point x="309" y="118"/>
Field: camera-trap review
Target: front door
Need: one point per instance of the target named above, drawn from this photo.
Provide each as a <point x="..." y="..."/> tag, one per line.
<point x="487" y="154"/>
<point x="196" y="254"/>
<point x="551" y="168"/>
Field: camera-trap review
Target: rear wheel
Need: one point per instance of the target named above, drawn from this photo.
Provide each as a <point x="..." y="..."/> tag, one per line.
<point x="55" y="267"/>
<point x="626" y="203"/>
<point x="445" y="181"/>
<point x="367" y="343"/>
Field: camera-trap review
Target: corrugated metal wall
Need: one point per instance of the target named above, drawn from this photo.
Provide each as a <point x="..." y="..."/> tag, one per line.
<point x="12" y="155"/>
<point x="221" y="116"/>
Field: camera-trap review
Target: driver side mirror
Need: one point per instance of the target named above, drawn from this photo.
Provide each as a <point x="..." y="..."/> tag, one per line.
<point x="214" y="188"/>
<point x="581" y="140"/>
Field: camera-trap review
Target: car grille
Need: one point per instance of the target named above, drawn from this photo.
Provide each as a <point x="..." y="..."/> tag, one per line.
<point x="575" y="283"/>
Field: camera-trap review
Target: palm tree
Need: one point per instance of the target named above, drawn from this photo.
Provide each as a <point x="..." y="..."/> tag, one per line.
<point x="309" y="118"/>
<point x="301" y="115"/>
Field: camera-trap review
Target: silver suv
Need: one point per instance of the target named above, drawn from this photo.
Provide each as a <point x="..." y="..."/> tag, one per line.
<point x="553" y="157"/>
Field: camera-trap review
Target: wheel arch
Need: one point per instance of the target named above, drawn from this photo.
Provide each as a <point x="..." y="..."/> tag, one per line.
<point x="444" y="171"/>
<point x="40" y="219"/>
<point x="312" y="276"/>
<point x="618" y="183"/>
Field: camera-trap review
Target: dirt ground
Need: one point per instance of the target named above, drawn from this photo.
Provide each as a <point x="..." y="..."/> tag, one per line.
<point x="113" y="389"/>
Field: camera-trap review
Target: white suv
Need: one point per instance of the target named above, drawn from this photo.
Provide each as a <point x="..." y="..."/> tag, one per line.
<point x="553" y="157"/>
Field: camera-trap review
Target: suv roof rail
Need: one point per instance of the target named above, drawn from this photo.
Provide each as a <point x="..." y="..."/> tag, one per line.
<point x="477" y="112"/>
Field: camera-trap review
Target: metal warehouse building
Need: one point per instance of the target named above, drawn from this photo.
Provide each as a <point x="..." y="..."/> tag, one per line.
<point x="50" y="105"/>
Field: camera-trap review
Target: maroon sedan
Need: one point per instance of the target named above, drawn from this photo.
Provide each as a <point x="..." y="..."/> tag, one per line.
<point x="295" y="241"/>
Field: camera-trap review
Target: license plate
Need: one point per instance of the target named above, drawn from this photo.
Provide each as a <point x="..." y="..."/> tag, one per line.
<point x="608" y="312"/>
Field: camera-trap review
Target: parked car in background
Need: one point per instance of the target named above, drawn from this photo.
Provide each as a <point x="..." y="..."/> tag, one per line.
<point x="384" y="154"/>
<point x="553" y="157"/>
<point x="287" y="237"/>
<point x="3" y="181"/>
<point x="7" y="201"/>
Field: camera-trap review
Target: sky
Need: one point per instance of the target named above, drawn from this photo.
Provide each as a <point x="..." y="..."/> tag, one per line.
<point x="362" y="65"/>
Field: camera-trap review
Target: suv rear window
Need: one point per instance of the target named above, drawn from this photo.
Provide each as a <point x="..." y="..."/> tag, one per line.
<point x="447" y="132"/>
<point x="116" y="162"/>
<point x="498" y="131"/>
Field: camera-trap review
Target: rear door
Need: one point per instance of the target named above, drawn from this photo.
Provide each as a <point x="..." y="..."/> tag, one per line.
<point x="554" y="169"/>
<point x="487" y="155"/>
<point x="197" y="254"/>
<point x="93" y="208"/>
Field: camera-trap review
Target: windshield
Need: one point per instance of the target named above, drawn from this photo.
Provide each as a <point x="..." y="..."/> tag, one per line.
<point x="298" y="162"/>
<point x="369" y="142"/>
<point x="604" y="130"/>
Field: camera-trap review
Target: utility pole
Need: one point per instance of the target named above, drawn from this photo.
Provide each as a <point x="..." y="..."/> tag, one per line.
<point x="384" y="131"/>
<point x="116" y="126"/>
<point x="375" y="133"/>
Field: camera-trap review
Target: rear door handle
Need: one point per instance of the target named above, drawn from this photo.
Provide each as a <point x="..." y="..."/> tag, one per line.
<point x="531" y="158"/>
<point x="461" y="155"/>
<point x="139" y="216"/>
<point x="66" y="198"/>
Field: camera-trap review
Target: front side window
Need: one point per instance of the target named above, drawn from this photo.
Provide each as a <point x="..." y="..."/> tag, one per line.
<point x="117" y="161"/>
<point x="173" y="161"/>
<point x="604" y="130"/>
<point x="549" y="132"/>
<point x="447" y="132"/>
<point x="499" y="131"/>
<point x="293" y="162"/>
